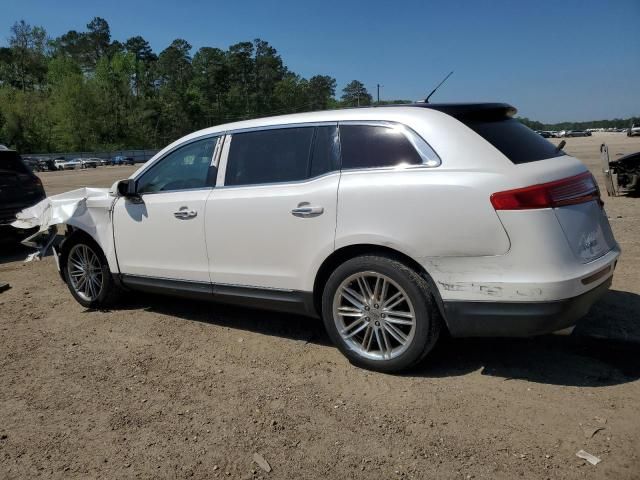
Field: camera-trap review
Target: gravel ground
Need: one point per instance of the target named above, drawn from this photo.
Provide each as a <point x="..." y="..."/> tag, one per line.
<point x="163" y="388"/>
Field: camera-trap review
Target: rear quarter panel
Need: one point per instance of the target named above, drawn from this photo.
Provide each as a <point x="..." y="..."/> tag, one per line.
<point x="422" y="212"/>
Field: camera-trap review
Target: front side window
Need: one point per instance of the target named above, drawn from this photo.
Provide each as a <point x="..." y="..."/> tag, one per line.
<point x="269" y="156"/>
<point x="185" y="168"/>
<point x="371" y="146"/>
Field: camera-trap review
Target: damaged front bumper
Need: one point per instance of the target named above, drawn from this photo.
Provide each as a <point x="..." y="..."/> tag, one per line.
<point x="66" y="208"/>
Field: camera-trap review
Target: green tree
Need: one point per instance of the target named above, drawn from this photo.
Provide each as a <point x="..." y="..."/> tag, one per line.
<point x="355" y="95"/>
<point x="24" y="64"/>
<point x="322" y="88"/>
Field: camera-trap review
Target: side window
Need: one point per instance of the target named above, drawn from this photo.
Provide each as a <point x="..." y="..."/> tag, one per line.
<point x="269" y="156"/>
<point x="367" y="146"/>
<point x="184" y="168"/>
<point x="326" y="151"/>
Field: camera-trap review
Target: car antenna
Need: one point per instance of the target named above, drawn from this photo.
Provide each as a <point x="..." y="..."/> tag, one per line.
<point x="426" y="100"/>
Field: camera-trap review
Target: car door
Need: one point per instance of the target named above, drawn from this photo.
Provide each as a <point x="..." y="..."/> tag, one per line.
<point x="161" y="233"/>
<point x="272" y="218"/>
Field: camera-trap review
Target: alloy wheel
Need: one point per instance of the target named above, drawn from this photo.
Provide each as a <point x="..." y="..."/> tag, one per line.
<point x="374" y="315"/>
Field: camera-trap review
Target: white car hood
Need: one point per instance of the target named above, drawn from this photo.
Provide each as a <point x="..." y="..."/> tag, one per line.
<point x="61" y="208"/>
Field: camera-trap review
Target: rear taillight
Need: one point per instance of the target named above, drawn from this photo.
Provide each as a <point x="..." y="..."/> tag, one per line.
<point x="568" y="191"/>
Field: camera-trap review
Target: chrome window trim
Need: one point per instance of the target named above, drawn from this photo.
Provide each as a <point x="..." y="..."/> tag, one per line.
<point x="430" y="158"/>
<point x="216" y="153"/>
<point x="175" y="191"/>
<point x="282" y="126"/>
<point x="278" y="184"/>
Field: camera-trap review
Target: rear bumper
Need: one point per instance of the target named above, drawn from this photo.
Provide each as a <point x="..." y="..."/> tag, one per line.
<point x="518" y="319"/>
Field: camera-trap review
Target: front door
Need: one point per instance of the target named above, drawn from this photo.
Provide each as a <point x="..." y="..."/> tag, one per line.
<point x="161" y="234"/>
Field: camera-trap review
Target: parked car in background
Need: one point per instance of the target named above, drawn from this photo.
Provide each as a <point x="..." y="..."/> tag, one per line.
<point x="19" y="188"/>
<point x="122" y="160"/>
<point x="73" y="164"/>
<point x="575" y="133"/>
<point x="59" y="163"/>
<point x="392" y="224"/>
<point x="34" y="164"/>
<point x="89" y="162"/>
<point x="634" y="131"/>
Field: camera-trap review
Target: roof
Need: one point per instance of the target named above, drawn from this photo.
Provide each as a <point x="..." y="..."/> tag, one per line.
<point x="471" y="110"/>
<point x="456" y="110"/>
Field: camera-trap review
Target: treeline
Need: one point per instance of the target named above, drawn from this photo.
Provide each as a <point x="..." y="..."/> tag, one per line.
<point x="615" y="123"/>
<point x="85" y="91"/>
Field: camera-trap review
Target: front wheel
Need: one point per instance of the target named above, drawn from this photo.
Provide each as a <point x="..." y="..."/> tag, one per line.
<point x="380" y="313"/>
<point x="87" y="274"/>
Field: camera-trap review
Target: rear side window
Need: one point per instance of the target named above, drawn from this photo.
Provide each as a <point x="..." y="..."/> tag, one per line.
<point x="282" y="155"/>
<point x="517" y="142"/>
<point x="370" y="146"/>
<point x="10" y="161"/>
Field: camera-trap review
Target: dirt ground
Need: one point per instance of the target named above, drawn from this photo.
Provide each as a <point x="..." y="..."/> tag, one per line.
<point x="163" y="388"/>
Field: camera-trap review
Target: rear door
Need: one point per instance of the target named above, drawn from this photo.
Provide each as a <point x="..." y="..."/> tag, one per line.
<point x="275" y="216"/>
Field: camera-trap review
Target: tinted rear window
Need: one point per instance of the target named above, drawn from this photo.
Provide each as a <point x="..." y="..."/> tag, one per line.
<point x="367" y="146"/>
<point x="11" y="161"/>
<point x="517" y="142"/>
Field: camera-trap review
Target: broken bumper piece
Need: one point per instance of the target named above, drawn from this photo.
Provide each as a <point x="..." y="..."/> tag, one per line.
<point x="58" y="209"/>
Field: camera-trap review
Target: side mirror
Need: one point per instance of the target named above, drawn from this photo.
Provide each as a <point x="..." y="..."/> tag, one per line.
<point x="127" y="188"/>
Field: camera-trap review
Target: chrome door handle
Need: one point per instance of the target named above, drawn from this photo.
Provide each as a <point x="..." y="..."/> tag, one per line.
<point x="184" y="213"/>
<point x="307" y="211"/>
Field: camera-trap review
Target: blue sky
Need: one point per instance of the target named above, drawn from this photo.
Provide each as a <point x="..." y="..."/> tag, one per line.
<point x="554" y="60"/>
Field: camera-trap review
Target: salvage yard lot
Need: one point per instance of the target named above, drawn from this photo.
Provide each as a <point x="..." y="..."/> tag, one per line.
<point x="163" y="388"/>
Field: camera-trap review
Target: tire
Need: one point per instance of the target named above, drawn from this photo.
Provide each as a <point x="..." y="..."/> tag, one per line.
<point x="80" y="253"/>
<point x="372" y="335"/>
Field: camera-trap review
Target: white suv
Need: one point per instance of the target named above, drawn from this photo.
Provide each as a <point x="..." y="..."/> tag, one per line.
<point x="391" y="223"/>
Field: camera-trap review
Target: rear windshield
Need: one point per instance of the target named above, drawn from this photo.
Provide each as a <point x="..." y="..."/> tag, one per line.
<point x="11" y="161"/>
<point x="518" y="143"/>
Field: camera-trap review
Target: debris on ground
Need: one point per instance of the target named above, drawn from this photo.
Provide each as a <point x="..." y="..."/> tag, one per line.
<point x="592" y="459"/>
<point x="4" y="286"/>
<point x="590" y="431"/>
<point x="262" y="463"/>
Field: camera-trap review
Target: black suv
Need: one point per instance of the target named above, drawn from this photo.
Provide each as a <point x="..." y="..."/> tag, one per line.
<point x="19" y="188"/>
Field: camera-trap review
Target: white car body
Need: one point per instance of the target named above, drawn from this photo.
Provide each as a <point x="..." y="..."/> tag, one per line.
<point x="496" y="272"/>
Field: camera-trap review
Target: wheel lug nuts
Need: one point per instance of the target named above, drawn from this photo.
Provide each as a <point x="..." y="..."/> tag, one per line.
<point x="383" y="315"/>
<point x="375" y="306"/>
<point x="366" y="308"/>
<point x="377" y="324"/>
<point x="366" y="319"/>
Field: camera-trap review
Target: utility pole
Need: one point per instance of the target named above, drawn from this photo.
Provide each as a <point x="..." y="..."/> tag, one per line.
<point x="379" y="93"/>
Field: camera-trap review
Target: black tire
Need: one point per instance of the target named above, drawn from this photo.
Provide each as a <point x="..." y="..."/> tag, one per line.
<point x="109" y="293"/>
<point x="427" y="325"/>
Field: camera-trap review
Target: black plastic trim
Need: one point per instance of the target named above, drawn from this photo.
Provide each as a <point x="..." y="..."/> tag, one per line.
<point x="518" y="319"/>
<point x="291" y="301"/>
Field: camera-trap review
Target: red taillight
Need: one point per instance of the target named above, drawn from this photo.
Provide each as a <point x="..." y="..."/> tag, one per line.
<point x="568" y="191"/>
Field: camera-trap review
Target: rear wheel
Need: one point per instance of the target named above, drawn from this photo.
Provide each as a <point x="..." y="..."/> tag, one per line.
<point x="380" y="313"/>
<point x="87" y="274"/>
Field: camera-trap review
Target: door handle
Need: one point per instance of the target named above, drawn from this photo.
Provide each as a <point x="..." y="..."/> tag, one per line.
<point x="306" y="210"/>
<point x="184" y="213"/>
